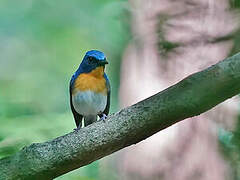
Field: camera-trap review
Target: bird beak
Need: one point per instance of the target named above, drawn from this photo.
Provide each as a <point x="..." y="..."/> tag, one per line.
<point x="102" y="63"/>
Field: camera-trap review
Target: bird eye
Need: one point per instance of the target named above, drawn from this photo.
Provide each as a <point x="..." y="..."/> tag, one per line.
<point x="91" y="59"/>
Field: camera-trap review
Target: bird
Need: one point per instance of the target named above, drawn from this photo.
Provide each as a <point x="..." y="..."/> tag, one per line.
<point x="90" y="90"/>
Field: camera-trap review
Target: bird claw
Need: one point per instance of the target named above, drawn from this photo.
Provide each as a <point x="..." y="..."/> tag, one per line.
<point x="77" y="129"/>
<point x="103" y="118"/>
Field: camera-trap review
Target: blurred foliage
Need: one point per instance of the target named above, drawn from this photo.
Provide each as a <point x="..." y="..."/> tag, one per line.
<point x="235" y="4"/>
<point x="41" y="45"/>
<point x="230" y="146"/>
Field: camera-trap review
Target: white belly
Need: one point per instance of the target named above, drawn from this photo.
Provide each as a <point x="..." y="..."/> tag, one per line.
<point x="89" y="103"/>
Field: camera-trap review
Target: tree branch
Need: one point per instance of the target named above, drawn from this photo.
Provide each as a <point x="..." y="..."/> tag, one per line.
<point x="190" y="97"/>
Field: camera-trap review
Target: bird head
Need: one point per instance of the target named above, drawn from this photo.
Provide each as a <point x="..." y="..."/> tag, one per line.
<point x="92" y="60"/>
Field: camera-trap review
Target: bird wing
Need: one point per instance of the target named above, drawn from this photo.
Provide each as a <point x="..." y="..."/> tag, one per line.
<point x="78" y="117"/>
<point x="106" y="110"/>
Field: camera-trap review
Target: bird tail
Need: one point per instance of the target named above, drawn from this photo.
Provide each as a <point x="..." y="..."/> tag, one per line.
<point x="89" y="119"/>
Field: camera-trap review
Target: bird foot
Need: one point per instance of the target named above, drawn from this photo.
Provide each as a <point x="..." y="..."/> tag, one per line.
<point x="103" y="118"/>
<point x="77" y="129"/>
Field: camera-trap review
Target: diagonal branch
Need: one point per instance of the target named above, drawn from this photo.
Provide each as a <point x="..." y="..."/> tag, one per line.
<point x="190" y="97"/>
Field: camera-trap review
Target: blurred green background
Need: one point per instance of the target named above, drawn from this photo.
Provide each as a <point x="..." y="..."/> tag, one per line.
<point x="41" y="45"/>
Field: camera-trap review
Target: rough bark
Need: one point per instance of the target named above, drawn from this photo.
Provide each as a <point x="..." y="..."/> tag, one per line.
<point x="190" y="97"/>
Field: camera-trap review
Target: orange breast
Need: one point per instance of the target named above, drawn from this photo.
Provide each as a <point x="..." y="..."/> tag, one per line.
<point x="93" y="81"/>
